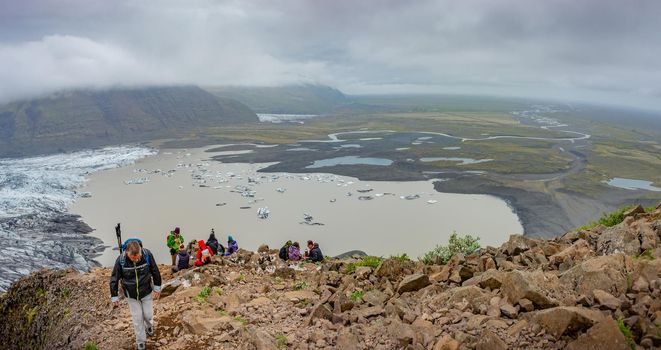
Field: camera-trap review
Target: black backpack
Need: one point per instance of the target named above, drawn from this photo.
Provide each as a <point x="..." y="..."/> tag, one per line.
<point x="214" y="246"/>
<point x="284" y="253"/>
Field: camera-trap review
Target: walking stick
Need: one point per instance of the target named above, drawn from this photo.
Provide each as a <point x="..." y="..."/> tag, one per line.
<point x="118" y="232"/>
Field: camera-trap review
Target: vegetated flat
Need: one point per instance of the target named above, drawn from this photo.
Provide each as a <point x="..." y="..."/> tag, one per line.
<point x="380" y="223"/>
<point x="547" y="161"/>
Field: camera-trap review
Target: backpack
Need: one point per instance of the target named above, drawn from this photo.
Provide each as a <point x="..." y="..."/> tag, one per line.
<point x="284" y="254"/>
<point x="122" y="257"/>
<point x="214" y="246"/>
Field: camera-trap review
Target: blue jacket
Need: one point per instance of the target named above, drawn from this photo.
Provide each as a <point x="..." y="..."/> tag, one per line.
<point x="232" y="247"/>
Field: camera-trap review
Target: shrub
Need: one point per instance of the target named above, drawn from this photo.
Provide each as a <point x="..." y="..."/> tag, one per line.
<point x="357" y="295"/>
<point x="280" y="340"/>
<point x="441" y="254"/>
<point x="369" y="261"/>
<point x="300" y="285"/>
<point x="91" y="346"/>
<point x="608" y="219"/>
<point x="403" y="257"/>
<point x="204" y="294"/>
<point x="626" y="331"/>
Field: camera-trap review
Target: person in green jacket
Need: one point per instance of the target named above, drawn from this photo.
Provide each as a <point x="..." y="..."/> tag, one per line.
<point x="175" y="239"/>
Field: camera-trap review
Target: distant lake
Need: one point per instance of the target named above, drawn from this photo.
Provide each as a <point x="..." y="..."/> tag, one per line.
<point x="349" y="160"/>
<point x="462" y="161"/>
<point x="633" y="184"/>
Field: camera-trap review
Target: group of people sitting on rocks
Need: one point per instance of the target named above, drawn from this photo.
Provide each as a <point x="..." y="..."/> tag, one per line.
<point x="181" y="255"/>
<point x="292" y="252"/>
<point x="136" y="275"/>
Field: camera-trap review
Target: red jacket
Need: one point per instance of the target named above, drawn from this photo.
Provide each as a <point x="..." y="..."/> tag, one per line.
<point x="200" y="247"/>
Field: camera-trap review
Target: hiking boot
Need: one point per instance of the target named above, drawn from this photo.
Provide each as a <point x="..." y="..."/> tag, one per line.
<point x="142" y="346"/>
<point x="150" y="332"/>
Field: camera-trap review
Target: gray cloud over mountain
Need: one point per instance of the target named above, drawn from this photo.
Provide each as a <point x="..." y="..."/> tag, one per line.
<point x="596" y="50"/>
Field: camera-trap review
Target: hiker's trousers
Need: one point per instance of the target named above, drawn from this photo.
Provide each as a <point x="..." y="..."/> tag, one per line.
<point x="142" y="313"/>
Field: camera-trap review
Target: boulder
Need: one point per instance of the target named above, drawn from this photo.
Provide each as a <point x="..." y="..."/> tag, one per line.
<point x="633" y="211"/>
<point x="392" y="269"/>
<point x="606" y="300"/>
<point x="509" y="311"/>
<point x="261" y="340"/>
<point x="446" y="343"/>
<point x="608" y="273"/>
<point x="491" y="279"/>
<point x="618" y="239"/>
<point x="363" y="272"/>
<point x="603" y="335"/>
<point x="566" y="319"/>
<point x="473" y="295"/>
<point x="413" y="283"/>
<point x="298" y="295"/>
<point x="369" y="311"/>
<point x="533" y="286"/>
<point x="375" y="297"/>
<point x="579" y="250"/>
<point x="346" y="340"/>
<point x="285" y="272"/>
<point x="517" y="244"/>
<point x="490" y="341"/>
<point x="199" y="323"/>
<point x="320" y="311"/>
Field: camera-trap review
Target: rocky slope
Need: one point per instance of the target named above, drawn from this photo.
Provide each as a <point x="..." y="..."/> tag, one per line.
<point x="88" y="118"/>
<point x="593" y="289"/>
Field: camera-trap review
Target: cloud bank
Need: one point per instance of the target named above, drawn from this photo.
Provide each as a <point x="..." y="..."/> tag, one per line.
<point x="593" y="50"/>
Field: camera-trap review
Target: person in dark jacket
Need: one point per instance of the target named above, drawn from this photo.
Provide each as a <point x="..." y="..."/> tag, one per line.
<point x="183" y="259"/>
<point x="212" y="243"/>
<point x="284" y="251"/>
<point x="315" y="253"/>
<point x="138" y="271"/>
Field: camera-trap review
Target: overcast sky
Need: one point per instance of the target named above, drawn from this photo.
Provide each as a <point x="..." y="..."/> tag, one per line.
<point x="594" y="50"/>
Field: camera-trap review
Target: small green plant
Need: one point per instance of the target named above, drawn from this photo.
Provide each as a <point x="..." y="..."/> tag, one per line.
<point x="465" y="245"/>
<point x="41" y="293"/>
<point x="357" y="295"/>
<point x="222" y="312"/>
<point x="301" y="285"/>
<point x="403" y="257"/>
<point x="242" y="320"/>
<point x="29" y="315"/>
<point x="278" y="280"/>
<point x="67" y="312"/>
<point x="65" y="293"/>
<point x="280" y="340"/>
<point x="91" y="346"/>
<point x="626" y="331"/>
<point x="369" y="261"/>
<point x="304" y="303"/>
<point x="217" y="290"/>
<point x="242" y="277"/>
<point x="203" y="294"/>
<point x="646" y="255"/>
<point x="608" y="219"/>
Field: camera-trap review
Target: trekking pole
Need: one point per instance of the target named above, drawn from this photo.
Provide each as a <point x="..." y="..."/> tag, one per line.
<point x="118" y="232"/>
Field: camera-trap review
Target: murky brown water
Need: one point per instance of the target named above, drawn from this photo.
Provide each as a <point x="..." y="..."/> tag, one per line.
<point x="385" y="225"/>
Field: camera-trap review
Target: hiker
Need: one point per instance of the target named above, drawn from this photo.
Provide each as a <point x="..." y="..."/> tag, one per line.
<point x="315" y="253"/>
<point x="203" y="255"/>
<point x="183" y="259"/>
<point x="284" y="251"/>
<point x="215" y="246"/>
<point x="294" y="252"/>
<point x="307" y="251"/>
<point x="137" y="270"/>
<point x="232" y="246"/>
<point x="175" y="239"/>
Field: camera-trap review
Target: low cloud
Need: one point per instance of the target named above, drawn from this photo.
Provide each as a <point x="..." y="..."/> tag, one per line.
<point x="604" y="51"/>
